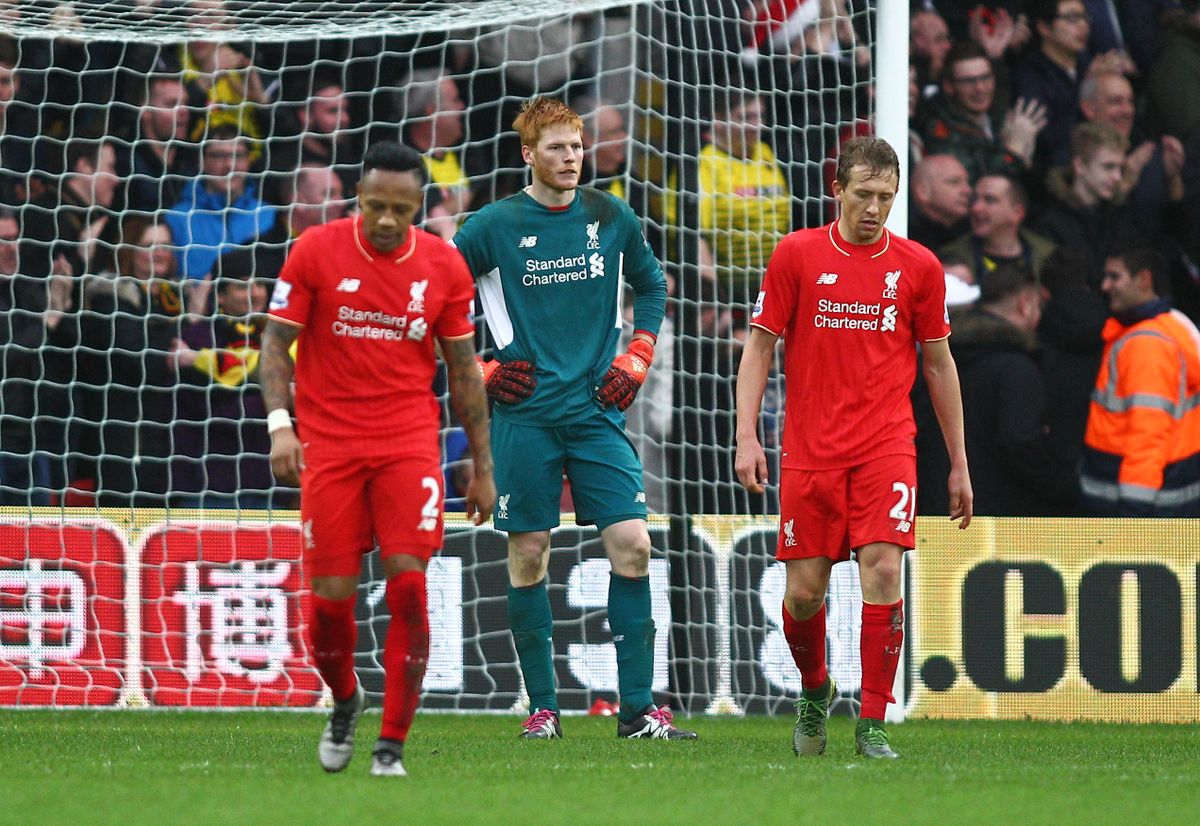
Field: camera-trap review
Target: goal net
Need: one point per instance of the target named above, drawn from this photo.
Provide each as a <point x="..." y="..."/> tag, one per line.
<point x="157" y="157"/>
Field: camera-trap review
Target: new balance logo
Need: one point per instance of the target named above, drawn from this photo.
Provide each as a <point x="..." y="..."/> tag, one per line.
<point x="527" y="241"/>
<point x="827" y="278"/>
<point x="349" y="285"/>
<point x="888" y="323"/>
<point x="640" y="497"/>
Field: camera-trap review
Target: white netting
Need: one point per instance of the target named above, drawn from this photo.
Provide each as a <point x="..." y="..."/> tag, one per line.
<point x="131" y="341"/>
<point x="166" y="21"/>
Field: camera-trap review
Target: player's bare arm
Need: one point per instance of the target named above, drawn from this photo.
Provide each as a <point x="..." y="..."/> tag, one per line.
<point x="750" y="461"/>
<point x="468" y="400"/>
<point x="941" y="375"/>
<point x="275" y="377"/>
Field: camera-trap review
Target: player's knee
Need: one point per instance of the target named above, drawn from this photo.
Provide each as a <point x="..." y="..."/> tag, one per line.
<point x="527" y="555"/>
<point x="881" y="579"/>
<point x="335" y="588"/>
<point x="804" y="599"/>
<point x="631" y="558"/>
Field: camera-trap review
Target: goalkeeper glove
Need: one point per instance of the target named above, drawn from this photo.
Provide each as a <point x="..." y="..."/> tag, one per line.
<point x="623" y="380"/>
<point x="508" y="382"/>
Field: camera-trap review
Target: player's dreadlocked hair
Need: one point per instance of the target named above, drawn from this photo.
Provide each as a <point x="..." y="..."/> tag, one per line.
<point x="875" y="154"/>
<point x="539" y="114"/>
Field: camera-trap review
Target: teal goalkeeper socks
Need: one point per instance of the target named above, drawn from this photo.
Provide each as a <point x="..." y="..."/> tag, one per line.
<point x="633" y="634"/>
<point x="532" y="629"/>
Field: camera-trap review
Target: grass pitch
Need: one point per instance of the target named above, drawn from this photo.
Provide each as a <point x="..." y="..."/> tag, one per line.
<point x="157" y="767"/>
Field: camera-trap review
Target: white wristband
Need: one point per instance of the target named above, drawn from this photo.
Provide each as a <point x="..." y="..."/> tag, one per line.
<point x="278" y="420"/>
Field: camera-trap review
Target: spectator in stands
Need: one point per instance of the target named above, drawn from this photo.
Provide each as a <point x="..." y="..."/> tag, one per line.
<point x="76" y="220"/>
<point x="998" y="234"/>
<point x="1174" y="84"/>
<point x="322" y="136"/>
<point x="220" y="208"/>
<point x="222" y="445"/>
<point x="124" y="374"/>
<point x="941" y="198"/>
<point x="66" y="233"/>
<point x="1153" y="173"/>
<point x="29" y="317"/>
<point x="744" y="204"/>
<point x="222" y="79"/>
<point x="312" y="196"/>
<point x="929" y="42"/>
<point x="606" y="144"/>
<point x="1071" y="346"/>
<point x="1004" y="408"/>
<point x="1083" y="210"/>
<point x="959" y="120"/>
<point x="1050" y="73"/>
<point x="18" y="128"/>
<point x="432" y="118"/>
<point x="162" y="159"/>
<point x="1142" y="448"/>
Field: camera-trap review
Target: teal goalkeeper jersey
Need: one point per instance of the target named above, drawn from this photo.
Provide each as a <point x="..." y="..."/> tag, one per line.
<point x="551" y="284"/>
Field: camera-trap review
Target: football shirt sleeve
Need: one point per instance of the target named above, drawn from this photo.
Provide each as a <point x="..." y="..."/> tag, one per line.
<point x="469" y="241"/>
<point x="457" y="319"/>
<point x="931" y="319"/>
<point x="293" y="297"/>
<point x="644" y="275"/>
<point x="777" y="300"/>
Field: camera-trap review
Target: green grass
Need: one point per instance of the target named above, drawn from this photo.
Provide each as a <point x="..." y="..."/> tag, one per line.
<point x="83" y="768"/>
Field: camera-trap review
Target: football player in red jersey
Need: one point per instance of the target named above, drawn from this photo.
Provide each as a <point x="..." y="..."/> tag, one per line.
<point x="367" y="297"/>
<point x="852" y="302"/>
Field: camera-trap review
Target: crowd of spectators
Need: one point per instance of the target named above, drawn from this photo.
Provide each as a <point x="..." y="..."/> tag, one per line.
<point x="150" y="194"/>
<point x="1050" y="142"/>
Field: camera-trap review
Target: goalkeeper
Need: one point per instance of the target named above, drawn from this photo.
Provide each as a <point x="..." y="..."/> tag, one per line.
<point x="550" y="264"/>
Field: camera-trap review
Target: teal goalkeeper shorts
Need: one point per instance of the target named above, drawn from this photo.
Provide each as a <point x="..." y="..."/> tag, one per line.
<point x="598" y="458"/>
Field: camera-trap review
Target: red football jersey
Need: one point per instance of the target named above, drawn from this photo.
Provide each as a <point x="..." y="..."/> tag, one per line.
<point x="365" y="358"/>
<point x="850" y="316"/>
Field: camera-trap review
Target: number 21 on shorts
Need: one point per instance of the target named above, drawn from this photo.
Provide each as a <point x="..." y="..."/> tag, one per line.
<point x="901" y="512"/>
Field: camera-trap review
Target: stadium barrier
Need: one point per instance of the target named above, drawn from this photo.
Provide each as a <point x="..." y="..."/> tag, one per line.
<point x="1052" y="619"/>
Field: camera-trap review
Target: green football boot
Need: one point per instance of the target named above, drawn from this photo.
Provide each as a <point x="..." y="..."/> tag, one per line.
<point x="808" y="738"/>
<point x="871" y="740"/>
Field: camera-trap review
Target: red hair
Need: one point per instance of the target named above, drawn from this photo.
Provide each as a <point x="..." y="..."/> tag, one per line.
<point x="540" y="114"/>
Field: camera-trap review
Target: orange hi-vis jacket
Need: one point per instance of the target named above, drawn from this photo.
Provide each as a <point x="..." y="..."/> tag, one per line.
<point x="1142" y="447"/>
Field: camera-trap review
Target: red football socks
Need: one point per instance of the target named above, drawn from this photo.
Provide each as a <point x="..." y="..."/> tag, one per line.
<point x="806" y="639"/>
<point x="405" y="653"/>
<point x="882" y="636"/>
<point x="332" y="634"/>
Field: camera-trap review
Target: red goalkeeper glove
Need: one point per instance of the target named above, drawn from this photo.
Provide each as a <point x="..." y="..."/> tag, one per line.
<point x="510" y="382"/>
<point x="624" y="379"/>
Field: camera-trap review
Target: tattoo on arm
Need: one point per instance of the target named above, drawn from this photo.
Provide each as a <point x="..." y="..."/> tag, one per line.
<point x="468" y="399"/>
<point x="275" y="365"/>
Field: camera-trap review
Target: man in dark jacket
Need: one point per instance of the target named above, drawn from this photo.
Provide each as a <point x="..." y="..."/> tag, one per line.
<point x="959" y="119"/>
<point x="1084" y="209"/>
<point x="1014" y="474"/>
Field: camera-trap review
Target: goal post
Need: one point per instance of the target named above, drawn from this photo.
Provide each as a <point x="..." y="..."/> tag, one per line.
<point x="142" y="422"/>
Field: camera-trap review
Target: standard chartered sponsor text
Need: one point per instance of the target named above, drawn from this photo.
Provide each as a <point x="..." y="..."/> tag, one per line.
<point x="839" y="315"/>
<point x="561" y="270"/>
<point x="369" y="324"/>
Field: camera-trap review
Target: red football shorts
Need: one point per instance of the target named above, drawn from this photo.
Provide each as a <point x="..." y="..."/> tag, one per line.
<point x="348" y="506"/>
<point x="828" y="512"/>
